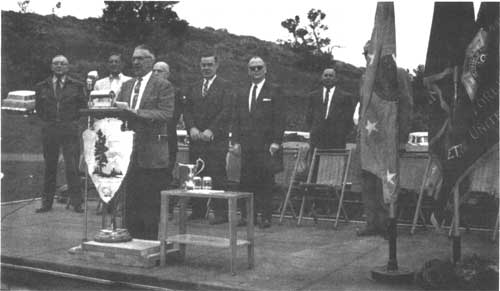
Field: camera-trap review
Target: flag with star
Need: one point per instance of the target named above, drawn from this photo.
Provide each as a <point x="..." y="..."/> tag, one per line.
<point x="379" y="98"/>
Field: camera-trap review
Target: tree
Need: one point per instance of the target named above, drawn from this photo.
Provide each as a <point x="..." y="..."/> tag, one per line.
<point x="309" y="37"/>
<point x="23" y="5"/>
<point x="316" y="16"/>
<point x="308" y="41"/>
<point x="136" y="20"/>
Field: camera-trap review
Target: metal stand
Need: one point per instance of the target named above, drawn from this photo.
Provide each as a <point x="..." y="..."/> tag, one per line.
<point x="391" y="273"/>
<point x="456" y="232"/>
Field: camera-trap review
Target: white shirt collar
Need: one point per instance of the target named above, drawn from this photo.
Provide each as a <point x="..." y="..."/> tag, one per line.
<point x="210" y="81"/>
<point x="330" y="97"/>
<point x="144" y="82"/>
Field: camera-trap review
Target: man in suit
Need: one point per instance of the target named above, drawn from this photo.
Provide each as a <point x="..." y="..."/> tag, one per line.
<point x="58" y="99"/>
<point x="116" y="78"/>
<point x="151" y="103"/>
<point x="162" y="70"/>
<point x="330" y="112"/>
<point x="207" y="117"/>
<point x="258" y="125"/>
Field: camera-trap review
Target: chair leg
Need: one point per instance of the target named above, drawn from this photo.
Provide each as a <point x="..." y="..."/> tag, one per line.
<point x="208" y="208"/>
<point x="301" y="209"/>
<point x="339" y="208"/>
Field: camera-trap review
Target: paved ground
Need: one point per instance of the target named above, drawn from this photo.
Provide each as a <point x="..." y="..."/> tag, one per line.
<point x="288" y="257"/>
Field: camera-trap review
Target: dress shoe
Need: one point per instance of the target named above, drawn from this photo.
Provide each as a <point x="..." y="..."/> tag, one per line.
<point x="218" y="220"/>
<point x="367" y="232"/>
<point x="44" y="209"/>
<point x="78" y="209"/>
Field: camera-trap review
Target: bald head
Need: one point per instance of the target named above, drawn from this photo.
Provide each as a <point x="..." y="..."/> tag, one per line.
<point x="59" y="65"/>
<point x="161" y="70"/>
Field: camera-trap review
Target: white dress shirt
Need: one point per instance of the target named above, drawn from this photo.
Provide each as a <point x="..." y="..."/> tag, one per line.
<point x="259" y="87"/>
<point x="112" y="83"/>
<point x="330" y="95"/>
<point x="144" y="82"/>
<point x="210" y="81"/>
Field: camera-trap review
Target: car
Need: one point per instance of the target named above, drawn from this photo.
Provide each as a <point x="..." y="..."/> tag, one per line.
<point x="21" y="101"/>
<point x="418" y="142"/>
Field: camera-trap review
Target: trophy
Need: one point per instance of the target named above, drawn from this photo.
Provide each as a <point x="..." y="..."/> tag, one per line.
<point x="193" y="170"/>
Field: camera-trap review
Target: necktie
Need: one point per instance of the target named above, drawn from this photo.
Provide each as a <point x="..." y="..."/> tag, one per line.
<point x="325" y="101"/>
<point x="204" y="90"/>
<point x="254" y="98"/>
<point x="58" y="87"/>
<point x="137" y="88"/>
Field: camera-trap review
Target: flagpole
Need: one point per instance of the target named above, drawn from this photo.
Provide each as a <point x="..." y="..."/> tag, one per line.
<point x="456" y="193"/>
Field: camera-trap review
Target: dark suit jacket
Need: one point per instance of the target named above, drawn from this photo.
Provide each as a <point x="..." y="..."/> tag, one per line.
<point x="210" y="112"/>
<point x="64" y="111"/>
<point x="150" y="124"/>
<point x="330" y="132"/>
<point x="256" y="131"/>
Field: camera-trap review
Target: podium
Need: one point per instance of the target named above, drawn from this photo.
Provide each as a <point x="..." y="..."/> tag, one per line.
<point x="108" y="133"/>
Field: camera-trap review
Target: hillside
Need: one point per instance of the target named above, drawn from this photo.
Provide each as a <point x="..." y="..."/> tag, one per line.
<point x="29" y="41"/>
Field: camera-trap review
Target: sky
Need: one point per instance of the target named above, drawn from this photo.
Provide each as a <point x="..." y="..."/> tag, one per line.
<point x="350" y="22"/>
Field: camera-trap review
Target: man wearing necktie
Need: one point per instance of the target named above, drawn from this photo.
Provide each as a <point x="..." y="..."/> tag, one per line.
<point x="58" y="100"/>
<point x="116" y="78"/>
<point x="151" y="103"/>
<point x="259" y="121"/>
<point x="329" y="113"/>
<point x="207" y="116"/>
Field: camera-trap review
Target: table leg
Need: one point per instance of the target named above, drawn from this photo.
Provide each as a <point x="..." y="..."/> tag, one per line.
<point x="250" y="231"/>
<point x="232" y="231"/>
<point x="162" y="235"/>
<point x="182" y="225"/>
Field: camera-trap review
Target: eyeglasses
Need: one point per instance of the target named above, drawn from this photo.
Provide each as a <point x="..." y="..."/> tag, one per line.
<point x="158" y="71"/>
<point x="59" y="63"/>
<point x="256" y="68"/>
<point x="141" y="58"/>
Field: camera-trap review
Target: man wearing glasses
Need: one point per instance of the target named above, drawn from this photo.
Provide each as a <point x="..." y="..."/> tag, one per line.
<point x="151" y="101"/>
<point x="58" y="100"/>
<point x="258" y="125"/>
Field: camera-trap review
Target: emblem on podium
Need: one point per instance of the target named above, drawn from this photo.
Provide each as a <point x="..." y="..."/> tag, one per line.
<point x="107" y="151"/>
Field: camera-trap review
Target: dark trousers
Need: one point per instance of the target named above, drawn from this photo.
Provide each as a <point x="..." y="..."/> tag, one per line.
<point x="373" y="201"/>
<point x="259" y="180"/>
<point x="142" y="204"/>
<point x="214" y="156"/>
<point x="53" y="141"/>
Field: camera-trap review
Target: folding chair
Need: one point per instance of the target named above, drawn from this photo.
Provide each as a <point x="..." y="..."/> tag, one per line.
<point x="327" y="173"/>
<point x="287" y="178"/>
<point x="483" y="176"/>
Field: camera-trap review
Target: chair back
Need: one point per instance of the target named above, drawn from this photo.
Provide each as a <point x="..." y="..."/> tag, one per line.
<point x="329" y="167"/>
<point x="290" y="158"/>
<point x="485" y="177"/>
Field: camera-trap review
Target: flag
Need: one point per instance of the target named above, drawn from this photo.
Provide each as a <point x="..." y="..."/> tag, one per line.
<point x="379" y="97"/>
<point x="452" y="29"/>
<point x="473" y="126"/>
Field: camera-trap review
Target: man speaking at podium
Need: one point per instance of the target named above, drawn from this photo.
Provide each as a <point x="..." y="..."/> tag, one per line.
<point x="151" y="101"/>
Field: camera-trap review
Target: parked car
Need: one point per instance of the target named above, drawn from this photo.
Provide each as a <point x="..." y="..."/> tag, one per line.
<point x="23" y="101"/>
<point x="418" y="142"/>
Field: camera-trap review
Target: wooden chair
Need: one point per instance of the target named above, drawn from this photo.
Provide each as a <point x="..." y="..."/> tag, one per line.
<point x="483" y="176"/>
<point x="327" y="174"/>
<point x="287" y="178"/>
